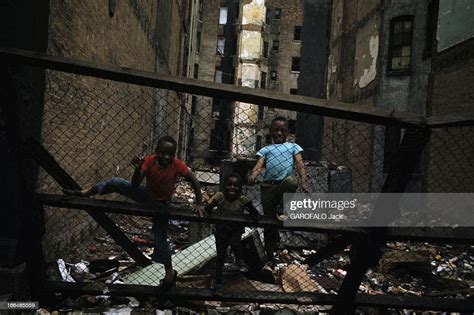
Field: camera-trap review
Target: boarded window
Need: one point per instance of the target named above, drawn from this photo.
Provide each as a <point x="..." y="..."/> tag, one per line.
<point x="221" y="45"/>
<point x="223" y="16"/>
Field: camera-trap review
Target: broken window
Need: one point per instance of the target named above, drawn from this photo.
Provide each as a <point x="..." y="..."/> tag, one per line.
<point x="221" y="45"/>
<point x="223" y="16"/>
<point x="276" y="44"/>
<point x="401" y="32"/>
<point x="263" y="80"/>
<point x="295" y="64"/>
<point x="277" y="14"/>
<point x="273" y="75"/>
<point x="196" y="71"/>
<point x="198" y="42"/>
<point x="293" y="91"/>
<point x="297" y="33"/>
<point x="265" y="49"/>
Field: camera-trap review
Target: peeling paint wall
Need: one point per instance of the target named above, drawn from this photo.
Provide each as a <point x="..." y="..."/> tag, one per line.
<point x="251" y="43"/>
<point x="367" y="49"/>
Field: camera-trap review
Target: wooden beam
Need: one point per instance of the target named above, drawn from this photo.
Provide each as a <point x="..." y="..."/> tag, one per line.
<point x="441" y="234"/>
<point x="180" y="295"/>
<point x="264" y="97"/>
<point x="52" y="167"/>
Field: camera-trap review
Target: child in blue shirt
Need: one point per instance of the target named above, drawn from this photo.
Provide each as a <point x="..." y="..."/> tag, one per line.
<point x="278" y="159"/>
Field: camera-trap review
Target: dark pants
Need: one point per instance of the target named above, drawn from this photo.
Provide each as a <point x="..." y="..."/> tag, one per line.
<point x="161" y="252"/>
<point x="227" y="235"/>
<point x="272" y="196"/>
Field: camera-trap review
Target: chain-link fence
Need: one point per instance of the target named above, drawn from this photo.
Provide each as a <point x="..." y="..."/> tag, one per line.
<point x="239" y="255"/>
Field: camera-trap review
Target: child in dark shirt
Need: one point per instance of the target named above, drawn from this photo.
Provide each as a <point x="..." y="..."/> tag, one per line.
<point x="230" y="202"/>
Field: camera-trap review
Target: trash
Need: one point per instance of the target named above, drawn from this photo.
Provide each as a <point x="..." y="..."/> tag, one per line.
<point x="296" y="279"/>
<point x="139" y="240"/>
<point x="103" y="265"/>
<point x="65" y="273"/>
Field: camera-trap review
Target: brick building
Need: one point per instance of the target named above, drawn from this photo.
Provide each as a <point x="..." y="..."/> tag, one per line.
<point x="451" y="92"/>
<point x="90" y="125"/>
<point x="377" y="57"/>
<point x="254" y="44"/>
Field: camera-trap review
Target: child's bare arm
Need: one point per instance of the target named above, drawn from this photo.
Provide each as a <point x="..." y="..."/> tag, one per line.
<point x="256" y="170"/>
<point x="302" y="173"/>
<point x="197" y="192"/>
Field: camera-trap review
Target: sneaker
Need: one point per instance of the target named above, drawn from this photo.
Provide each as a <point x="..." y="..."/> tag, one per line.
<point x="242" y="266"/>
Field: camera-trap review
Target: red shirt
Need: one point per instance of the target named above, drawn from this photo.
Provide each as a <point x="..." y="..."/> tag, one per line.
<point x="160" y="182"/>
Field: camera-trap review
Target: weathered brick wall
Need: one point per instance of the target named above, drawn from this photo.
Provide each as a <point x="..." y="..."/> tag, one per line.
<point x="450" y="167"/>
<point x="280" y="60"/>
<point x="94" y="127"/>
<point x="353" y="48"/>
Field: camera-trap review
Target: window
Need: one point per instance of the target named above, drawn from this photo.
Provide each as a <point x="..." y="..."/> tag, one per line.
<point x="200" y="10"/>
<point x="276" y="45"/>
<point x="268" y="14"/>
<point x="265" y="49"/>
<point x="196" y="71"/>
<point x="295" y="64"/>
<point x="223" y="16"/>
<point x="193" y="105"/>
<point x="400" y="44"/>
<point x="263" y="80"/>
<point x="198" y="41"/>
<point x="293" y="91"/>
<point x="297" y="33"/>
<point x="218" y="76"/>
<point x="273" y="75"/>
<point x="277" y="14"/>
<point x="221" y="45"/>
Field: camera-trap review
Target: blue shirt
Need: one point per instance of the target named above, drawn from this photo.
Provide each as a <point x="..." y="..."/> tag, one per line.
<point x="279" y="160"/>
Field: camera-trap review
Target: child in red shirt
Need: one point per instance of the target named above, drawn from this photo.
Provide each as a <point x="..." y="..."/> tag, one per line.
<point x="161" y="170"/>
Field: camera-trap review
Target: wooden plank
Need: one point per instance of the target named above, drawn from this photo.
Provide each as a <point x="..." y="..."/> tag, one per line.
<point x="330" y="108"/>
<point x="50" y="165"/>
<point x="181" y="295"/>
